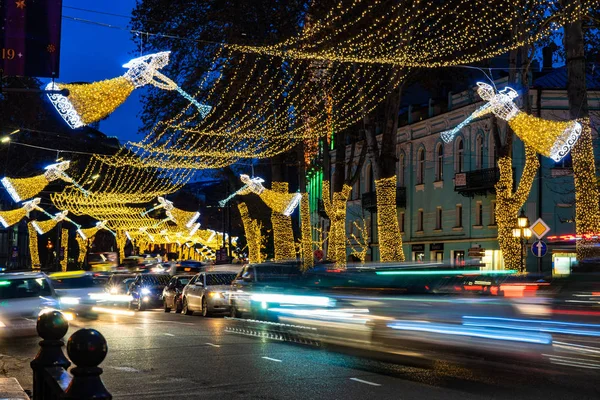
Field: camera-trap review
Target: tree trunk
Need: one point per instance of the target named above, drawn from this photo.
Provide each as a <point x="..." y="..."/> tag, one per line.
<point x="509" y="203"/>
<point x="283" y="234"/>
<point x="306" y="227"/>
<point x="587" y="201"/>
<point x="336" y="211"/>
<point x="253" y="235"/>
<point x="383" y="161"/>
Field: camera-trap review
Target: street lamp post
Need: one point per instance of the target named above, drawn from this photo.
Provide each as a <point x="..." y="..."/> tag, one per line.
<point x="522" y="232"/>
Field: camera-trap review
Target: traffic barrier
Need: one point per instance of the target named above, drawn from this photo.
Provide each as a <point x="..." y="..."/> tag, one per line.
<point x="86" y="348"/>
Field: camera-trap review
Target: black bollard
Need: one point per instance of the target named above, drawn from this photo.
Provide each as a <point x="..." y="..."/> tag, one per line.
<point x="87" y="349"/>
<point x="51" y="327"/>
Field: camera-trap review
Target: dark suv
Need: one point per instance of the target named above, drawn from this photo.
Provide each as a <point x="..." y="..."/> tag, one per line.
<point x="146" y="291"/>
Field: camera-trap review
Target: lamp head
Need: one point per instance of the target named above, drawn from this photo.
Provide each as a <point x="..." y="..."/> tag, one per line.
<point x="522" y="220"/>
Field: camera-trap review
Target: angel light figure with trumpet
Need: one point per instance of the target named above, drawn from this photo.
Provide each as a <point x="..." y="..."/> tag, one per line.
<point x="553" y="139"/>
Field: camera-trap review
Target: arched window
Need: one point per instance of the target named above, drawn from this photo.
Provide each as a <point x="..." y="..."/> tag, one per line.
<point x="401" y="170"/>
<point x="421" y="166"/>
<point x="459" y="165"/>
<point x="492" y="152"/>
<point x="479" y="152"/>
<point x="439" y="162"/>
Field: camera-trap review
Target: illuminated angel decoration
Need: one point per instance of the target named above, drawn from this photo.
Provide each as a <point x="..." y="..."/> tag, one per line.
<point x="91" y="102"/>
<point x="25" y="188"/>
<point x="283" y="203"/>
<point x="553" y="139"/>
<point x="11" y="217"/>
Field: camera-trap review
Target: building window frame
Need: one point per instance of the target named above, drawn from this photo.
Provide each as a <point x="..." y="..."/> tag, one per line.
<point x="421" y="166"/>
<point x="459" y="165"/>
<point x="420" y="220"/>
<point x="439" y="162"/>
<point x="459" y="216"/>
<point x="439" y="218"/>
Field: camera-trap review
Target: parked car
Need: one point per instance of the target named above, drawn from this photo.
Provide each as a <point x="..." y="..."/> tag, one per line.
<point x="78" y="291"/>
<point x="172" y="292"/>
<point x="208" y="292"/>
<point x="23" y="297"/>
<point x="146" y="291"/>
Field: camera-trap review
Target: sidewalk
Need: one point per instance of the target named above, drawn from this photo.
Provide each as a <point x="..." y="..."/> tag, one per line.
<point x="11" y="388"/>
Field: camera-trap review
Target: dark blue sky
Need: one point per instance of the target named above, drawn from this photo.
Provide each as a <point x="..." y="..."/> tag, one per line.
<point x="92" y="53"/>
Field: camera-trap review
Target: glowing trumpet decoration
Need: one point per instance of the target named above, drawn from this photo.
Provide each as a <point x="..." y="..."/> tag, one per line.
<point x="25" y="188"/>
<point x="553" y="139"/>
<point x="162" y="203"/>
<point x="91" y="102"/>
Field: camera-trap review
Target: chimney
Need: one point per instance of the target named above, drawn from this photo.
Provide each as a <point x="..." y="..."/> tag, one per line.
<point x="548" y="55"/>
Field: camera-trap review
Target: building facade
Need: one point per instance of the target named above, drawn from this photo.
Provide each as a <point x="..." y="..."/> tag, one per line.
<point x="446" y="191"/>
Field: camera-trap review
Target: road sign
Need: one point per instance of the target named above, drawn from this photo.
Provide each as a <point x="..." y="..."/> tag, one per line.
<point x="476" y="252"/>
<point x="539" y="248"/>
<point x="539" y="228"/>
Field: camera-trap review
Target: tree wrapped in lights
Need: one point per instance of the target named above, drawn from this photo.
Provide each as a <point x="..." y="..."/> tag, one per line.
<point x="362" y="240"/>
<point x="82" y="244"/>
<point x="64" y="242"/>
<point x="335" y="208"/>
<point x="283" y="235"/>
<point x="508" y="205"/>
<point x="306" y="227"/>
<point x="252" y="230"/>
<point x="390" y="247"/>
<point x="33" y="246"/>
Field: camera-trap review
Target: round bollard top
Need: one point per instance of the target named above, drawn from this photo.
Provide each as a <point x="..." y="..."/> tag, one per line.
<point x="52" y="325"/>
<point x="87" y="348"/>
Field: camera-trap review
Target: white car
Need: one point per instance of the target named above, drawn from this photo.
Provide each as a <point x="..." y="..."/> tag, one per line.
<point x="23" y="297"/>
<point x="79" y="291"/>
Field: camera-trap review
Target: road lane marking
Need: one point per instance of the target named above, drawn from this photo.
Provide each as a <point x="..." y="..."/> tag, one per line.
<point x="213" y="345"/>
<point x="365" y="382"/>
<point x="271" y="359"/>
<point x="168" y="334"/>
<point x="126" y="369"/>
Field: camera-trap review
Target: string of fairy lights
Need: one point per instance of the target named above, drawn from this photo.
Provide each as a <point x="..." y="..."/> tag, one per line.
<point x="260" y="101"/>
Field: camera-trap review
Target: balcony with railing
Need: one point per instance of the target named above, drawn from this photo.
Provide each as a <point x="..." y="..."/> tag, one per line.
<point x="478" y="182"/>
<point x="369" y="199"/>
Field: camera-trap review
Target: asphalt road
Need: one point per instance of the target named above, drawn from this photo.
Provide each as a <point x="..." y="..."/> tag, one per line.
<point x="153" y="355"/>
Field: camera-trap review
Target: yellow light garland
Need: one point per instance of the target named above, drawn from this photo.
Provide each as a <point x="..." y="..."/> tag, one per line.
<point x="362" y="240"/>
<point x="336" y="211"/>
<point x="253" y="235"/>
<point x="25" y="188"/>
<point x="33" y="247"/>
<point x="43" y="227"/>
<point x="508" y="205"/>
<point x="11" y="217"/>
<point x="424" y="33"/>
<point x="82" y="243"/>
<point x="64" y="242"/>
<point x="587" y="212"/>
<point x="306" y="227"/>
<point x="283" y="235"/>
<point x="95" y="101"/>
<point x="390" y="239"/>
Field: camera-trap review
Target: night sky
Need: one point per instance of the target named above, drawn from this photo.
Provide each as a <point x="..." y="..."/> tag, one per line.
<point x="91" y="53"/>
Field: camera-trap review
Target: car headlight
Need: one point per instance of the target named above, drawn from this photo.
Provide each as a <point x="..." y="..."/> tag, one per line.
<point x="145" y="291"/>
<point x="114" y="290"/>
<point x="217" y="294"/>
<point x="69" y="300"/>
